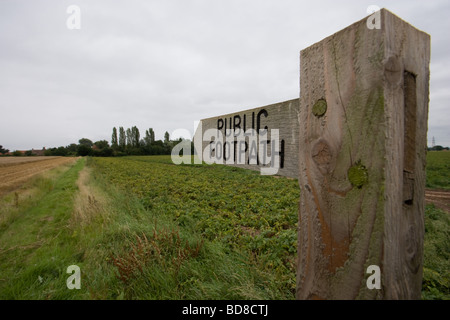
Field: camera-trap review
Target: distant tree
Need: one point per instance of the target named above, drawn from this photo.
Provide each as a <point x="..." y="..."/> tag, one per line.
<point x="166" y="138"/>
<point x="135" y="136"/>
<point x="129" y="138"/>
<point x="151" y="133"/>
<point x="114" y="141"/>
<point x="122" y="139"/>
<point x="17" y="153"/>
<point x="128" y="142"/>
<point x="158" y="147"/>
<point x="101" y="144"/>
<point x="28" y="153"/>
<point x="102" y="149"/>
<point x="84" y="150"/>
<point x="60" y="151"/>
<point x="107" y="152"/>
<point x="72" y="149"/>
<point x="3" y="150"/>
<point x="147" y="140"/>
<point x="86" y="142"/>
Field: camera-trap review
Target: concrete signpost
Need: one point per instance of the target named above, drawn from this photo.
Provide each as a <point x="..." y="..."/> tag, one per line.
<point x="356" y="141"/>
<point x="242" y="142"/>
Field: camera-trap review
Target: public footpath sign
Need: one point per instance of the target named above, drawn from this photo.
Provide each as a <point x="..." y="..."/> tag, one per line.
<point x="356" y="141"/>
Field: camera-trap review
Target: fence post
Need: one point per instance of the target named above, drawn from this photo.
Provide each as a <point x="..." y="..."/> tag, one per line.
<point x="364" y="95"/>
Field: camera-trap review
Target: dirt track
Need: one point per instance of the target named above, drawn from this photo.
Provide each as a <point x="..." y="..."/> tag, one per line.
<point x="14" y="171"/>
<point x="440" y="198"/>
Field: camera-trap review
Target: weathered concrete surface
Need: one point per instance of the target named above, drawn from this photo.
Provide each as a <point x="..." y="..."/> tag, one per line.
<point x="356" y="140"/>
<point x="363" y="115"/>
<point x="282" y="116"/>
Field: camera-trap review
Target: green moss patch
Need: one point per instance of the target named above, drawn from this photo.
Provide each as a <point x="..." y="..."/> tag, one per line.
<point x="319" y="108"/>
<point x="358" y="175"/>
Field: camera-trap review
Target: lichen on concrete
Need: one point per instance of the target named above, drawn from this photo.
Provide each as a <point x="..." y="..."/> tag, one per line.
<point x="319" y="108"/>
<point x="358" y="175"/>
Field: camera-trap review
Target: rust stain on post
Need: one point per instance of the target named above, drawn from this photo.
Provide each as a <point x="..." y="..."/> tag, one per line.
<point x="363" y="106"/>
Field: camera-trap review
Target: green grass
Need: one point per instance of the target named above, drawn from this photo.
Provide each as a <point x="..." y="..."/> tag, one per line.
<point x="438" y="170"/>
<point x="131" y="246"/>
<point x="154" y="257"/>
<point x="36" y="245"/>
<point x="247" y="237"/>
<point x="151" y="230"/>
<point x="216" y="202"/>
<point x="436" y="270"/>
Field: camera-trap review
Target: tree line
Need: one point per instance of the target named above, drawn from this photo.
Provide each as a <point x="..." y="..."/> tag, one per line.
<point x="123" y="142"/>
<point x="438" y="148"/>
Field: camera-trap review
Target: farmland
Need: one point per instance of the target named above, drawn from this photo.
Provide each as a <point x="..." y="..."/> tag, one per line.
<point x="144" y="228"/>
<point x="16" y="170"/>
<point x="234" y="205"/>
<point x="235" y="208"/>
<point x="438" y="170"/>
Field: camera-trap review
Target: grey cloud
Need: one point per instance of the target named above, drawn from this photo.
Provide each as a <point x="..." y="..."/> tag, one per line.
<point x="164" y="64"/>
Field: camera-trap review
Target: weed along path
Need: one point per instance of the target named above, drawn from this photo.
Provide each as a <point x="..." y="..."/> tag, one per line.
<point x="89" y="204"/>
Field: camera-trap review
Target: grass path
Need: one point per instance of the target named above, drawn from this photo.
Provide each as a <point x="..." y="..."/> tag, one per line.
<point x="36" y="245"/>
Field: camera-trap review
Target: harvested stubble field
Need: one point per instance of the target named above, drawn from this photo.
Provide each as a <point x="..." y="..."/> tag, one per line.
<point x="14" y="171"/>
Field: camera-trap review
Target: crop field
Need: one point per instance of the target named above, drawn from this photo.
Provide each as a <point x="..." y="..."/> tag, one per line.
<point x="235" y="206"/>
<point x="438" y="170"/>
<point x="257" y="214"/>
<point x="11" y="161"/>
<point x="16" y="170"/>
<point x="143" y="228"/>
<point x="238" y="208"/>
<point x="438" y="180"/>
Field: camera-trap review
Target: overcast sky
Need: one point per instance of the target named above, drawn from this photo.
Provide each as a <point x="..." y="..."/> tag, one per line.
<point x="164" y="64"/>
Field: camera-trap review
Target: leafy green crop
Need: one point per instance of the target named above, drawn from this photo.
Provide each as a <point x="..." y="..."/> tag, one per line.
<point x="438" y="169"/>
<point x="252" y="213"/>
<point x="240" y="208"/>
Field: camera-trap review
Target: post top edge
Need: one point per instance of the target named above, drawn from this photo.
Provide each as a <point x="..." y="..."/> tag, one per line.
<point x="386" y="15"/>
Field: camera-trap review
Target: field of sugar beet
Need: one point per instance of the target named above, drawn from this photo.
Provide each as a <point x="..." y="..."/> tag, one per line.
<point x="144" y="228"/>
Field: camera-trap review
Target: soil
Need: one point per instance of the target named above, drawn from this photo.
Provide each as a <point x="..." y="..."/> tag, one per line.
<point x="16" y="171"/>
<point x="12" y="161"/>
<point x="439" y="197"/>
